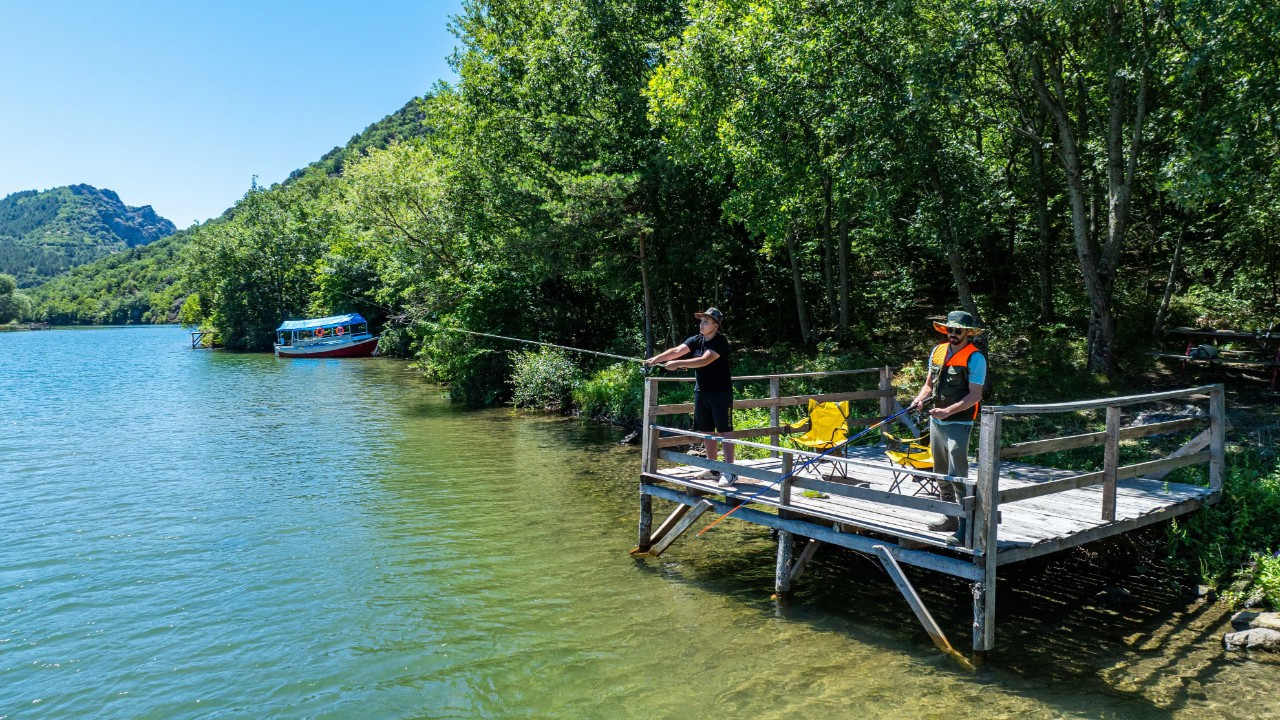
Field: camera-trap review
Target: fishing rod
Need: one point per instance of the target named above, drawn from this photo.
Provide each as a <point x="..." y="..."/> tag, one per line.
<point x="805" y="464"/>
<point x="535" y="342"/>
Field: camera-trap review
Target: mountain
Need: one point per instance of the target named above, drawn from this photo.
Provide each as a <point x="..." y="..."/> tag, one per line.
<point x="46" y="233"/>
<point x="144" y="283"/>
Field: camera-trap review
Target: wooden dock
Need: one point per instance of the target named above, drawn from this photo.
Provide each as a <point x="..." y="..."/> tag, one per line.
<point x="1013" y="510"/>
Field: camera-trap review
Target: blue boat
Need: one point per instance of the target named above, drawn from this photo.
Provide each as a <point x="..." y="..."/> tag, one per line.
<point x="337" y="336"/>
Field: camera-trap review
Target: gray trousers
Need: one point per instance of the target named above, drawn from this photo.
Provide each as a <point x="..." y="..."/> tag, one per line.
<point x="949" y="445"/>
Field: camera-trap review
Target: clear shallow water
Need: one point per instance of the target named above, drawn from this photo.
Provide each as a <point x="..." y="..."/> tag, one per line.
<point x="209" y="535"/>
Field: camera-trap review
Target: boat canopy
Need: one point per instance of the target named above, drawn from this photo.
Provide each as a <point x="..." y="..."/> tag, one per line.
<point x="312" y="323"/>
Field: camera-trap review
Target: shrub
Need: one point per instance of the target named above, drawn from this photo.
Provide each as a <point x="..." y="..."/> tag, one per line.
<point x="615" y="394"/>
<point x="1268" y="578"/>
<point x="544" y="380"/>
<point x="1217" y="541"/>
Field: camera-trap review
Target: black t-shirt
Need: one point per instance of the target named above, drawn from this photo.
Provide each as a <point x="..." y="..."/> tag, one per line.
<point x="718" y="376"/>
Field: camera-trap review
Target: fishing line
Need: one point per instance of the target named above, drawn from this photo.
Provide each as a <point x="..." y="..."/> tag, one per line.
<point x="504" y="337"/>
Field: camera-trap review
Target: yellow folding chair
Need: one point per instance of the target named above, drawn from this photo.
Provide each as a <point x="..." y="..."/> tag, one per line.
<point x="826" y="427"/>
<point x="907" y="454"/>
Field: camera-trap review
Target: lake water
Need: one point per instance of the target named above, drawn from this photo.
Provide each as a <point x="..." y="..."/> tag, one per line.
<point x="196" y="534"/>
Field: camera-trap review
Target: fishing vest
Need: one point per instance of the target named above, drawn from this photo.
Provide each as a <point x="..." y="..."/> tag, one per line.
<point x="950" y="377"/>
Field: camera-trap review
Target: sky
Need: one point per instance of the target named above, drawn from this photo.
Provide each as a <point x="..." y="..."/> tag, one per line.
<point x="179" y="104"/>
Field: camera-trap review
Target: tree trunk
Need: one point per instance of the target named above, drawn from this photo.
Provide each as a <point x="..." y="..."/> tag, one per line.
<point x="802" y="315"/>
<point x="1046" y="238"/>
<point x="1168" y="288"/>
<point x="828" y="278"/>
<point x="956" y="260"/>
<point x="648" y="299"/>
<point x="843" y="327"/>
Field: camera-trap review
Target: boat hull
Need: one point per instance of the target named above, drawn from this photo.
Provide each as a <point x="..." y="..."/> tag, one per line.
<point x="359" y="348"/>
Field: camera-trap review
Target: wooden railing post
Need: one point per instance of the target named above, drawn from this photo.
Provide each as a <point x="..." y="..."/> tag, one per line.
<point x="1217" y="437"/>
<point x="775" y="388"/>
<point x="648" y="461"/>
<point x="1110" y="461"/>
<point x="649" y="449"/>
<point x="886" y="383"/>
<point x="986" y="518"/>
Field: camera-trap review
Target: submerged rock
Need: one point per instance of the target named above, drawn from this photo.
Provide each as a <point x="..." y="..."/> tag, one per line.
<point x="1263" y="639"/>
<point x="1247" y="620"/>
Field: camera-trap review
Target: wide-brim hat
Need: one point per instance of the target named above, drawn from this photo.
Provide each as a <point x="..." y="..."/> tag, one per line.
<point x="958" y="320"/>
<point x="712" y="313"/>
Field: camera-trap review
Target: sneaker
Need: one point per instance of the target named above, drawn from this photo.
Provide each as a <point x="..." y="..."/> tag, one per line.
<point x="948" y="523"/>
<point x="707" y="475"/>
<point x="726" y="480"/>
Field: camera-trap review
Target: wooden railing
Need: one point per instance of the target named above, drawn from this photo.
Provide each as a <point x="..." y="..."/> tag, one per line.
<point x="775" y="402"/>
<point x="1208" y="447"/>
<point x="658" y="439"/>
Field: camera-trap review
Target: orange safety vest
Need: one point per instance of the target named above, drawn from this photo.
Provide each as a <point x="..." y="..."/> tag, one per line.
<point x="950" y="377"/>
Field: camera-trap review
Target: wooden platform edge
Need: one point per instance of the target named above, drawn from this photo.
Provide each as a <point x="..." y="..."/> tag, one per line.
<point x="853" y="541"/>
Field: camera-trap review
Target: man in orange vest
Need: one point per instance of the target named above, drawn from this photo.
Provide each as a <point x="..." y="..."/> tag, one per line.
<point x="957" y="373"/>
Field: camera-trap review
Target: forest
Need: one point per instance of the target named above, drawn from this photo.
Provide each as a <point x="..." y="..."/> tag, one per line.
<point x="827" y="173"/>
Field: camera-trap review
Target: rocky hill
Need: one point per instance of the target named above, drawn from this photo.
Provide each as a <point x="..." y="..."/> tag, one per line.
<point x="45" y="233"/>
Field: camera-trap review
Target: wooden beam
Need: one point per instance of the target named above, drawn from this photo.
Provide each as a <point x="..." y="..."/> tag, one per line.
<point x="797" y="567"/>
<point x="853" y="541"/>
<point x="1110" y="462"/>
<point x="775" y="391"/>
<point x="665" y="541"/>
<point x="680" y="408"/>
<point x="670" y="522"/>
<point x="749" y="471"/>
<point x="881" y="496"/>
<point x="918" y="607"/>
<point x="1071" y="442"/>
<point x="1194" y="445"/>
<point x="1099" y="404"/>
<point x="1217" y="436"/>
<point x="987" y="518"/>
<point x="1153" y="470"/>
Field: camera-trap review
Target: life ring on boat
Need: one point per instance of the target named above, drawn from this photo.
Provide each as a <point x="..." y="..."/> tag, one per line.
<point x="319" y="332"/>
<point x="338" y="330"/>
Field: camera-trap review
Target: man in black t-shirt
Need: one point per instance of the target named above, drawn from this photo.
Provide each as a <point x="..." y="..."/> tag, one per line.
<point x="713" y="383"/>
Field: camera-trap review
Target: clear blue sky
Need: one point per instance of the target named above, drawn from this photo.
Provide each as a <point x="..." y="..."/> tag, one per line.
<point x="177" y="104"/>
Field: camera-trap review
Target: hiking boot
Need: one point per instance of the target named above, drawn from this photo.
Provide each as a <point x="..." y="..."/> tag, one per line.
<point x="946" y="524"/>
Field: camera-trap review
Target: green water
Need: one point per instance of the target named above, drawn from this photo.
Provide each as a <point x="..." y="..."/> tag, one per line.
<point x="195" y="534"/>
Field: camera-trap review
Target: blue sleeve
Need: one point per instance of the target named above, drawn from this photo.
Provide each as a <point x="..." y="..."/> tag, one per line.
<point x="977" y="369"/>
<point x="691" y="342"/>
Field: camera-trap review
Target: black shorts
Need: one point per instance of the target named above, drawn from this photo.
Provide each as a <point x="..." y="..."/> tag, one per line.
<point x="712" y="411"/>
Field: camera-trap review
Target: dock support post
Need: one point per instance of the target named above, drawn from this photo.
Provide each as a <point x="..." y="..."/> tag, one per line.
<point x="986" y="519"/>
<point x="786" y="541"/>
<point x="648" y="461"/>
<point x="782" y="576"/>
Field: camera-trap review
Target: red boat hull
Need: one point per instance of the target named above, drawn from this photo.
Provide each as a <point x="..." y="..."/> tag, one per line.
<point x="363" y="348"/>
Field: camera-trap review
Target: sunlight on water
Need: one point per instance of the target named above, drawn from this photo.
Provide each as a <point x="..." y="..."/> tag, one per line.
<point x="195" y="534"/>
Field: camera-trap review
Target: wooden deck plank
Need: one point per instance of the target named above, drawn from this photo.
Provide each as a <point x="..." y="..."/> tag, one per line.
<point x="1027" y="528"/>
